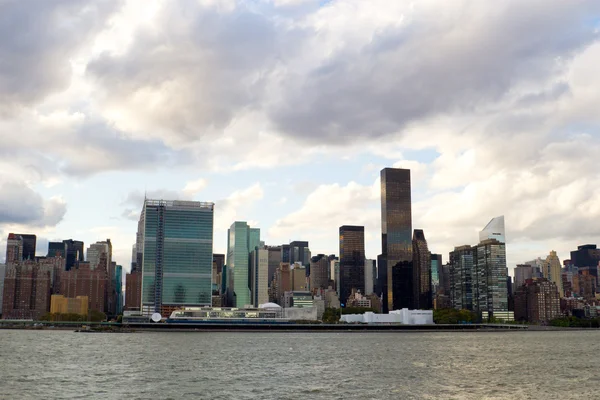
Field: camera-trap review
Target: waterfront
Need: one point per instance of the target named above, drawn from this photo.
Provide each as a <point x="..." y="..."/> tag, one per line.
<point x="247" y="365"/>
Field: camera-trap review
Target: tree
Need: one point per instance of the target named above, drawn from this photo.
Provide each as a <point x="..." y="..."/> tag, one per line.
<point x="96" y="316"/>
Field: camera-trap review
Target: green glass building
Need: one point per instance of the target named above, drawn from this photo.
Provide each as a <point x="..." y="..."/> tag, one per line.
<point x="177" y="255"/>
<point x="241" y="241"/>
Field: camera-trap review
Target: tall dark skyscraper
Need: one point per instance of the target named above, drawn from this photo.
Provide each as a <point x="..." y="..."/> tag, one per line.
<point x="56" y="249"/>
<point x="74" y="250"/>
<point x="352" y="260"/>
<point x="29" y="242"/>
<point x="396" y="261"/>
<point x="421" y="272"/>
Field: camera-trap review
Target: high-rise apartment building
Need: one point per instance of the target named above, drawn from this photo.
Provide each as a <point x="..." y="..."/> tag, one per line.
<point x="27" y="289"/>
<point x="82" y="280"/>
<point x="241" y="241"/>
<point x="14" y="248"/>
<point x="177" y="255"/>
<point x="537" y="301"/>
<point x="421" y="272"/>
<point x="283" y="281"/>
<point x="462" y="275"/>
<point x="133" y="291"/>
<point x="491" y="277"/>
<point x="319" y="274"/>
<point x="552" y="270"/>
<point x="334" y="274"/>
<point x="274" y="260"/>
<point x="396" y="261"/>
<point x="299" y="280"/>
<point x="352" y="260"/>
<point x="259" y="276"/>
<point x="2" y="275"/>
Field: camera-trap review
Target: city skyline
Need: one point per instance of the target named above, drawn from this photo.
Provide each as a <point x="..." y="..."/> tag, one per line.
<point x="296" y="109"/>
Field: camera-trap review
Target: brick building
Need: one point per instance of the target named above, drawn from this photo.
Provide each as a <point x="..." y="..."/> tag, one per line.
<point x="82" y="280"/>
<point x="537" y="301"/>
<point x="133" y="291"/>
<point x="27" y="288"/>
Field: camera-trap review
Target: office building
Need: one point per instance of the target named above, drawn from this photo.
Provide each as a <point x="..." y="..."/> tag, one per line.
<point x="259" y="276"/>
<point x="285" y="253"/>
<point x="57" y="249"/>
<point x="421" y="272"/>
<point x="537" y="266"/>
<point x="133" y="291"/>
<point x="241" y="241"/>
<point x="118" y="285"/>
<point x="319" y="274"/>
<point x="177" y="255"/>
<point x="27" y="289"/>
<point x="395" y="263"/>
<point x="334" y="274"/>
<point x="370" y="276"/>
<point x="274" y="260"/>
<point x="436" y="272"/>
<point x="537" y="301"/>
<point x="587" y="255"/>
<point x="352" y="260"/>
<point x="494" y="230"/>
<point x="299" y="253"/>
<point x="14" y="248"/>
<point x="523" y="272"/>
<point x="60" y="304"/>
<point x="552" y="270"/>
<point x="99" y="255"/>
<point x="74" y="249"/>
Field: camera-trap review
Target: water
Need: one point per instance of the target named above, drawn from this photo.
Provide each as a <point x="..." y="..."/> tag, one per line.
<point x="246" y="365"/>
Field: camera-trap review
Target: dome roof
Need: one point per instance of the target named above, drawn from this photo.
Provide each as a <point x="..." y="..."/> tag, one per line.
<point x="269" y="305"/>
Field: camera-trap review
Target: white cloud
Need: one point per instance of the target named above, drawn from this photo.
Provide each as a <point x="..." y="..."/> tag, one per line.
<point x="194" y="187"/>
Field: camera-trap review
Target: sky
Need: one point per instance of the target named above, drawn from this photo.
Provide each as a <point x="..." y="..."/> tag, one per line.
<point x="283" y="112"/>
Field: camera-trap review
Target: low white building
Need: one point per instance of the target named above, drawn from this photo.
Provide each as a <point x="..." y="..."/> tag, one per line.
<point x="404" y="316"/>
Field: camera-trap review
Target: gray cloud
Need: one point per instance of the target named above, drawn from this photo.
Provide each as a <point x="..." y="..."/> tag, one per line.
<point x="37" y="38"/>
<point x="21" y="205"/>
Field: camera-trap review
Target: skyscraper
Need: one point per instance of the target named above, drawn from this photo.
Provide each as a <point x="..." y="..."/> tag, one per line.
<point x="319" y="274"/>
<point x="74" y="249"/>
<point x="494" y="230"/>
<point x="57" y="249"/>
<point x="26" y="293"/>
<point x="552" y="270"/>
<point x="259" y="280"/>
<point x="241" y="241"/>
<point x="522" y="274"/>
<point x="95" y="252"/>
<point x="396" y="261"/>
<point x="490" y="283"/>
<point x="352" y="260"/>
<point x="421" y="272"/>
<point x="436" y="272"/>
<point x="587" y="255"/>
<point x="177" y="255"/>
<point x="14" y="248"/>
<point x="462" y="275"/>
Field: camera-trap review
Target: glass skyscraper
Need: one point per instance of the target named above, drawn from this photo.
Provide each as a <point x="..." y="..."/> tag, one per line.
<point x="241" y="241"/>
<point x="396" y="261"/>
<point x="352" y="260"/>
<point x="177" y="255"/>
<point x="421" y="272"/>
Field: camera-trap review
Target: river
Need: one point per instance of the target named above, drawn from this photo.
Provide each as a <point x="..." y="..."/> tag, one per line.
<point x="309" y="365"/>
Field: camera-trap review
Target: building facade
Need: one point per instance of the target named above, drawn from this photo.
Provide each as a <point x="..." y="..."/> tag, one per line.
<point x="537" y="301"/>
<point x="421" y="272"/>
<point x="352" y="260"/>
<point x="60" y="304"/>
<point x="27" y="289"/>
<point x="177" y="255"/>
<point x="319" y="274"/>
<point x="462" y="275"/>
<point x="74" y="249"/>
<point x="523" y="272"/>
<point x="259" y="276"/>
<point x="552" y="270"/>
<point x="241" y="241"/>
<point x="82" y="280"/>
<point x="395" y="262"/>
<point x="133" y="291"/>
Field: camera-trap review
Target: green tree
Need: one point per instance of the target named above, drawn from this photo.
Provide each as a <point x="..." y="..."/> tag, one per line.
<point x="96" y="316"/>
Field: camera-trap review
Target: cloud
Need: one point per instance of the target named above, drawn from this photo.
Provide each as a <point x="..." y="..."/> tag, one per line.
<point x="194" y="187"/>
<point x="38" y="39"/>
<point x="23" y="206"/>
<point x="236" y="206"/>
